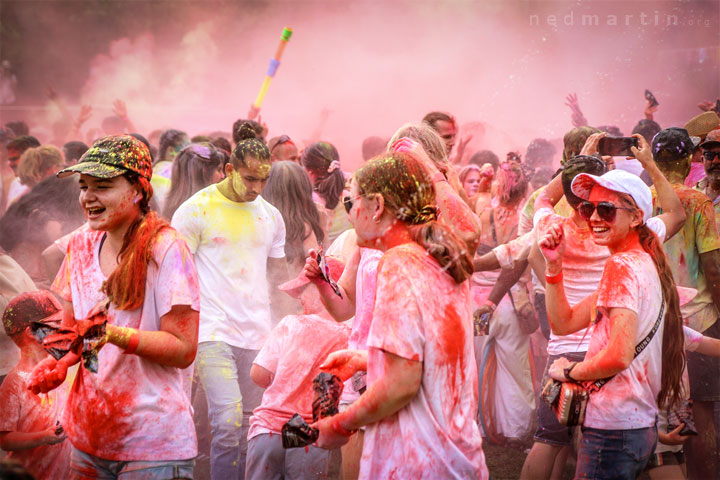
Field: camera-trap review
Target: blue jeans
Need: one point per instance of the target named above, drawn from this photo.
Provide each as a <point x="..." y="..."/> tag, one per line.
<point x="84" y="466"/>
<point x="224" y="371"/>
<point x="616" y="454"/>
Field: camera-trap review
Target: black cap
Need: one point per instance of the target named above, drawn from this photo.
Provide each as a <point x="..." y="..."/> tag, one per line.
<point x="672" y="144"/>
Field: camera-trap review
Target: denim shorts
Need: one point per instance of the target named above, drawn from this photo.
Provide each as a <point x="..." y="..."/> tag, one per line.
<point x="617" y="454"/>
<point x="84" y="465"/>
<point x="549" y="430"/>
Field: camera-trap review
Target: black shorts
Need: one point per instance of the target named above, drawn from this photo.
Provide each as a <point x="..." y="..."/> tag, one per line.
<point x="549" y="429"/>
<point x="704" y="371"/>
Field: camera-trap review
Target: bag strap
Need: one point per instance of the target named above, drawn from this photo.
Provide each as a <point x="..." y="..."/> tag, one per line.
<point x="492" y="226"/>
<point x="597" y="384"/>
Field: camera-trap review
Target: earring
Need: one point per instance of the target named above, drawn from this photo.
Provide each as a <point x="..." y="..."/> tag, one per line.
<point x="377" y="219"/>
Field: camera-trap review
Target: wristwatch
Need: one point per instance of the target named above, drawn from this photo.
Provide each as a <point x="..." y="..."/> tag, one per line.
<point x="567" y="370"/>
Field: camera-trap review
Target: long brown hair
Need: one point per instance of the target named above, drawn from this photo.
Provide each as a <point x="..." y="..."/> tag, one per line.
<point x="673" y="348"/>
<point x="410" y="196"/>
<point x="289" y="189"/>
<point x="125" y="287"/>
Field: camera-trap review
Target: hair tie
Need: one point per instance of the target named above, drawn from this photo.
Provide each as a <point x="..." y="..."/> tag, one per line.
<point x="428" y="213"/>
<point x="334" y="165"/>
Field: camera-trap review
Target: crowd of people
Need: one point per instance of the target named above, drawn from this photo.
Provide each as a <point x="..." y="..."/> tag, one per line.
<point x="155" y="288"/>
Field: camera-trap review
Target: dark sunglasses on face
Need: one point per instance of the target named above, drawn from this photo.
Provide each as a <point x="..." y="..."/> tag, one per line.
<point x="348" y="202"/>
<point x="710" y="156"/>
<point x="606" y="210"/>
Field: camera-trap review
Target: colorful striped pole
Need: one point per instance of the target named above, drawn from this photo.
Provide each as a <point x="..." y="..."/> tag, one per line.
<point x="272" y="69"/>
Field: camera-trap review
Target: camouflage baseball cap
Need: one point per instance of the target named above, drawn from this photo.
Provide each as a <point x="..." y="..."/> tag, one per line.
<point x="113" y="156"/>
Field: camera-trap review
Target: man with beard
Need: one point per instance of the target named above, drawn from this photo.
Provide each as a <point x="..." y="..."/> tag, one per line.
<point x="710" y="185"/>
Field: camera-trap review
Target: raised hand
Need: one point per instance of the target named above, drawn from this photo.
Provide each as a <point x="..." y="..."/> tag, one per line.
<point x="552" y="246"/>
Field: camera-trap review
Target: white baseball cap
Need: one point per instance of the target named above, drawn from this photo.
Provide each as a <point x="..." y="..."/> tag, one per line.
<point x="618" y="181"/>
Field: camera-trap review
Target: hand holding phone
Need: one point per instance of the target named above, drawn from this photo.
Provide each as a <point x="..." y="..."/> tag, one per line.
<point x="617" y="146"/>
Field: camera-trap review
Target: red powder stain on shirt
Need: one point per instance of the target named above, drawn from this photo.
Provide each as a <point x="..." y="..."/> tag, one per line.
<point x="451" y="340"/>
<point x="220" y="241"/>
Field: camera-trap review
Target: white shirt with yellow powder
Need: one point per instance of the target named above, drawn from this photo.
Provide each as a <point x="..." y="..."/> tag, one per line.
<point x="231" y="243"/>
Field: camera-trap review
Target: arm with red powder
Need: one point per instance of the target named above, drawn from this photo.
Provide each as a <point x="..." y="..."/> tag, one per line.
<point x="50" y="373"/>
<point x="611" y="360"/>
<point x="15" y="441"/>
<point x="453" y="210"/>
<point x="340" y="308"/>
<point x="563" y="318"/>
<point x="174" y="345"/>
<point x="394" y="390"/>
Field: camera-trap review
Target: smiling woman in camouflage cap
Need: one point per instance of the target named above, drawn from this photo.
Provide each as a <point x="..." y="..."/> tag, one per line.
<point x="133" y="267"/>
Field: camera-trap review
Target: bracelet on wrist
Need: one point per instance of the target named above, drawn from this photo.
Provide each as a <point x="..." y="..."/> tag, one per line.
<point x="339" y="429"/>
<point x="491" y="304"/>
<point x="552" y="279"/>
<point x="133" y="342"/>
<point x="567" y="370"/>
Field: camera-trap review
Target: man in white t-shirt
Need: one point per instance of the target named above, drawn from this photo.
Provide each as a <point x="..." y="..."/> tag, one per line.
<point x="238" y="241"/>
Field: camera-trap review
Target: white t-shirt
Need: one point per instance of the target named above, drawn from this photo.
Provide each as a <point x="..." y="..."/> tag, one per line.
<point x="422" y="314"/>
<point x="583" y="265"/>
<point x="231" y="243"/>
<point x="16" y="190"/>
<point x="293" y="353"/>
<point x="133" y="408"/>
<point x="628" y="400"/>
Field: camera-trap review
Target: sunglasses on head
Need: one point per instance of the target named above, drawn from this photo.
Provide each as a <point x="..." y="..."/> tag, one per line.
<point x="606" y="210"/>
<point x="281" y="140"/>
<point x="710" y="156"/>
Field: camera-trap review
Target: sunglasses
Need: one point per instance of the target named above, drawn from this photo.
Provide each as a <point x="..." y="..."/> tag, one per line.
<point x="348" y="202"/>
<point x="606" y="210"/>
<point x="710" y="156"/>
<point x="281" y="140"/>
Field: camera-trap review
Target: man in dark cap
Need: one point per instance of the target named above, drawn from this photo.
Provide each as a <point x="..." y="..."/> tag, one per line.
<point x="694" y="257"/>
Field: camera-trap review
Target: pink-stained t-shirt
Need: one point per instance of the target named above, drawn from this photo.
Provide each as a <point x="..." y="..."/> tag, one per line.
<point x="133" y="408"/>
<point x="293" y="353"/>
<point x="628" y="400"/>
<point x="422" y="314"/>
<point x="365" y="285"/>
<point x="23" y="411"/>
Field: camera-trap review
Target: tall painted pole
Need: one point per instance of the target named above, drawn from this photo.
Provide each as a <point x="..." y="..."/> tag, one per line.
<point x="272" y="69"/>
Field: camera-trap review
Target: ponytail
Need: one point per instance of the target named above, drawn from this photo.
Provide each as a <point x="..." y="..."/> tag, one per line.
<point x="330" y="188"/>
<point x="444" y="246"/>
<point x="673" y="349"/>
<point x="323" y="160"/>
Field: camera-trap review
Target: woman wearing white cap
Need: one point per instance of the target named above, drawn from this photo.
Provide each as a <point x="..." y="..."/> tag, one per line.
<point x="636" y="305"/>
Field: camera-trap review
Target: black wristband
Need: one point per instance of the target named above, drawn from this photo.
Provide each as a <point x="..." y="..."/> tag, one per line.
<point x="567" y="370"/>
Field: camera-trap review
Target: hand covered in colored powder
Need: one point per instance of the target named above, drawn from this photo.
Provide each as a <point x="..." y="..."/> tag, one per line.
<point x="312" y="269"/>
<point x="47" y="375"/>
<point x="552" y="246"/>
<point x="329" y="438"/>
<point x="51" y="438"/>
<point x="556" y="370"/>
<point x="415" y="150"/>
<point x="344" y="363"/>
